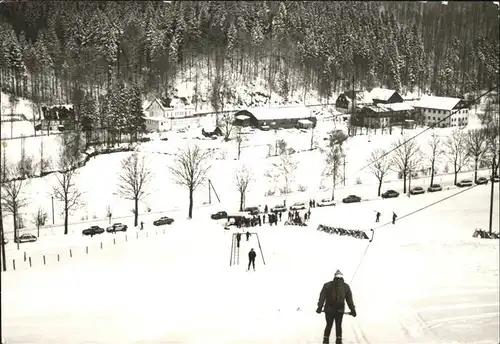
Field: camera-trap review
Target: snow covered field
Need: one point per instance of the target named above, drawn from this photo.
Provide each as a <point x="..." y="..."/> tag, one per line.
<point x="423" y="280"/>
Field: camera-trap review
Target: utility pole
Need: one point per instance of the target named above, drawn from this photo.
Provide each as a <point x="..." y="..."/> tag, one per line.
<point x="4" y="262"/>
<point x="493" y="170"/>
<point x="53" y="210"/>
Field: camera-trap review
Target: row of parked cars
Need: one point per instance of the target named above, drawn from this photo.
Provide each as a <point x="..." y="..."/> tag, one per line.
<point x="120" y="227"/>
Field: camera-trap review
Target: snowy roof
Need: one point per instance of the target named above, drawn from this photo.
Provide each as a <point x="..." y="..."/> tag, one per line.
<point x="294" y="112"/>
<point x="242" y="117"/>
<point x="381" y="94"/>
<point x="399" y="106"/>
<point x="439" y="103"/>
<point x="305" y="121"/>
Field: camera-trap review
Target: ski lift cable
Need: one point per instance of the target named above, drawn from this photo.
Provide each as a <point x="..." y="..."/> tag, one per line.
<point x="406" y="215"/>
<point x="421" y="132"/>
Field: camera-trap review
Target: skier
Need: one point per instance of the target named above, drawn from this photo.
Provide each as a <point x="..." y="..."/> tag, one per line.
<point x="394" y="216"/>
<point x="266" y="209"/>
<point x="251" y="259"/>
<point x="248" y="235"/>
<point x="279" y="214"/>
<point x="332" y="296"/>
<point x="309" y="213"/>
<point x="260" y="221"/>
<point x="142" y="225"/>
<point x="378" y="217"/>
<point x="238" y="238"/>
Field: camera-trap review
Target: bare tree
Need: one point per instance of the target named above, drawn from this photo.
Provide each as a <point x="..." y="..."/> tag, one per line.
<point x="67" y="193"/>
<point x="379" y="164"/>
<point x="477" y="146"/>
<point x="239" y="140"/>
<point x="12" y="198"/>
<point x="492" y="148"/>
<point x="227" y="126"/>
<point x="242" y="179"/>
<point x="334" y="156"/>
<point x="457" y="151"/>
<point x="133" y="181"/>
<point x="39" y="219"/>
<point x="406" y="155"/>
<point x="284" y="169"/>
<point x="435" y="153"/>
<point x="190" y="170"/>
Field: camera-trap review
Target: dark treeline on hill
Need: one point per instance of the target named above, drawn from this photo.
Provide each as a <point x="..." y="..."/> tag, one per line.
<point x="51" y="50"/>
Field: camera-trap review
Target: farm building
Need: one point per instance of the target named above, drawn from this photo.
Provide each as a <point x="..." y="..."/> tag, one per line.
<point x="384" y="115"/>
<point x="344" y="102"/>
<point x="385" y="96"/>
<point x="157" y="124"/>
<point x="452" y="112"/>
<point x="284" y="117"/>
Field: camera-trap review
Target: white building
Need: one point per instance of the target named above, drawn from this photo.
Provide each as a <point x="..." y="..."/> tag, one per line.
<point x="434" y="109"/>
<point x="170" y="114"/>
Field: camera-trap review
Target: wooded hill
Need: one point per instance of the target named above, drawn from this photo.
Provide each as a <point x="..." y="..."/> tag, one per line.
<point x="50" y="49"/>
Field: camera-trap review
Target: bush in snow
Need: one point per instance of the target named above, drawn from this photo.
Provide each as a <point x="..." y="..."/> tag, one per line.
<point x="148" y="209"/>
<point x="302" y="188"/>
<point x="270" y="193"/>
<point x="285" y="190"/>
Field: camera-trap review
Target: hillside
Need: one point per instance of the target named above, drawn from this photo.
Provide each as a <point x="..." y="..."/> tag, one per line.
<point x="52" y="51"/>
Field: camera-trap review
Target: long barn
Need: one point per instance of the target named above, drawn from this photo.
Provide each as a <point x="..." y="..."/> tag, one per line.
<point x="282" y="117"/>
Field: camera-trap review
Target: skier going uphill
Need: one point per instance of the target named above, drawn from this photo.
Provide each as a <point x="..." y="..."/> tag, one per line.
<point x="251" y="259"/>
<point x="332" y="297"/>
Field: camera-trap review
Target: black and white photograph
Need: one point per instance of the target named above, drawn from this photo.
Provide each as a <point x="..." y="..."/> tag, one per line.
<point x="249" y="172"/>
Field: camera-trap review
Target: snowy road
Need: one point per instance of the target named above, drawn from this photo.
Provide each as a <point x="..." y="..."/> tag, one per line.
<point x="424" y="280"/>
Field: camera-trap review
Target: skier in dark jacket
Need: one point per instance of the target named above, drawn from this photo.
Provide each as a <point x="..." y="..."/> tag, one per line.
<point x="251" y="259"/>
<point x="394" y="216"/>
<point x="238" y="239"/>
<point x="377" y="219"/>
<point x="248" y="235"/>
<point x="333" y="296"/>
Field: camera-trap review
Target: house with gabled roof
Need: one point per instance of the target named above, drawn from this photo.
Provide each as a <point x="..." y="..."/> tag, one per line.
<point x="169" y="113"/>
<point x="385" y="96"/>
<point x="443" y="111"/>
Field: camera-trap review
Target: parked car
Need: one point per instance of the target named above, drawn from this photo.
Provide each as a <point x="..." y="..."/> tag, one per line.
<point x="482" y="180"/>
<point x="164" y="139"/>
<point x="434" y="188"/>
<point x="390" y="194"/>
<point x="25" y="238"/>
<point x="417" y="190"/>
<point x="351" y="199"/>
<point x="252" y="210"/>
<point x="93" y="230"/>
<point x="117" y="227"/>
<point x="164" y="220"/>
<point x="325" y="202"/>
<point x="464" y="183"/>
<point x="298" y="206"/>
<point x="219" y="215"/>
<point x="278" y="208"/>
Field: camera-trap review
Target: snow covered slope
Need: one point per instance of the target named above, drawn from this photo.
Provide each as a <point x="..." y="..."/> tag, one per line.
<point x="423" y="280"/>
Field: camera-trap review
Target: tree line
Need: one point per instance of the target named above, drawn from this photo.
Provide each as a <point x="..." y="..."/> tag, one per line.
<point x="51" y="51"/>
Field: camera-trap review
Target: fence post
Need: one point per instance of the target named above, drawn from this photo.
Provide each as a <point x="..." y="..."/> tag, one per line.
<point x="126" y="239"/>
<point x="163" y="230"/>
<point x="146" y="234"/>
<point x="101" y="245"/>
<point x="70" y="253"/>
<point x="44" y="260"/>
<point x="114" y="241"/>
<point x="29" y="258"/>
<point x="86" y="250"/>
<point x="58" y="257"/>
<point x="14" y="264"/>
<point x="24" y="255"/>
<point x="137" y="235"/>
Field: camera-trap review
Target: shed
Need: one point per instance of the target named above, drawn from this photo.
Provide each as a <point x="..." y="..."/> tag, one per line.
<point x="242" y="120"/>
<point x="385" y="96"/>
<point x="285" y="117"/>
<point x="305" y="124"/>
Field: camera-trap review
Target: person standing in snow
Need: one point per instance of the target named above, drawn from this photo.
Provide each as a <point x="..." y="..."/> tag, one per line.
<point x="279" y="214"/>
<point x="142" y="225"/>
<point x="251" y="259"/>
<point x="248" y="235"/>
<point x="238" y="239"/>
<point x="394" y="216"/>
<point x="333" y="297"/>
<point x="377" y="219"/>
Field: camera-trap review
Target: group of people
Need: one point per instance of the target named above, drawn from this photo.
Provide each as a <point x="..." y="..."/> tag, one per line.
<point x="294" y="218"/>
